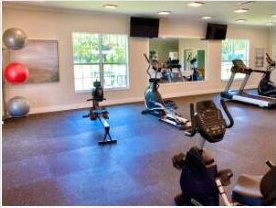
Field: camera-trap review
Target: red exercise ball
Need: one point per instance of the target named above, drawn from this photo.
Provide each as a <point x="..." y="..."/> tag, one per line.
<point x="16" y="73"/>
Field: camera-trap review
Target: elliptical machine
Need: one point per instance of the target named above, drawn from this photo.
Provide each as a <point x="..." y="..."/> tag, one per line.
<point x="156" y="106"/>
<point x="266" y="86"/>
<point x="97" y="112"/>
<point x="201" y="182"/>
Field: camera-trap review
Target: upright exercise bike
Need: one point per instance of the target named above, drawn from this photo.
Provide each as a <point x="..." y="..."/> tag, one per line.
<point x="266" y="86"/>
<point x="165" y="110"/>
<point x="100" y="113"/>
<point x="201" y="182"/>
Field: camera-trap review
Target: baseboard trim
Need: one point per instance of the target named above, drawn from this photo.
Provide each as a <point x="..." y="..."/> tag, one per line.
<point x="56" y="108"/>
<point x="48" y="109"/>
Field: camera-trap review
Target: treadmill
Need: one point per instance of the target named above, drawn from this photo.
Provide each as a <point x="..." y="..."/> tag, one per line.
<point x="240" y="95"/>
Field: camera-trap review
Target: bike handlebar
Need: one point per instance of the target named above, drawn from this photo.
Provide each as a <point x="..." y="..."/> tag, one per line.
<point x="193" y="130"/>
<point x="146" y="57"/>
<point x="270" y="164"/>
<point x="230" y="118"/>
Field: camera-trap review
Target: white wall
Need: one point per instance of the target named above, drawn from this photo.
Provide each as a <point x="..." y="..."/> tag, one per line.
<point x="40" y="24"/>
<point x="272" y="38"/>
<point x="163" y="47"/>
<point x="189" y="43"/>
<point x="59" y="26"/>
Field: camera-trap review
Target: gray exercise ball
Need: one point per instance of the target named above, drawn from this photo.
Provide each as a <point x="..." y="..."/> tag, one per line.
<point x="15" y="38"/>
<point x="18" y="106"/>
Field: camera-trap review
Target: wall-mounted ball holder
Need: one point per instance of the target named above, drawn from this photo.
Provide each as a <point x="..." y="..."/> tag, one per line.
<point x="14" y="73"/>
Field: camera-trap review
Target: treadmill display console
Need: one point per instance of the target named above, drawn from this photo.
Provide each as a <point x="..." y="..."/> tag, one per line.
<point x="239" y="66"/>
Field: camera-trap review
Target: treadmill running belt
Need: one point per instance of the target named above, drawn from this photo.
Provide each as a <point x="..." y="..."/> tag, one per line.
<point x="253" y="96"/>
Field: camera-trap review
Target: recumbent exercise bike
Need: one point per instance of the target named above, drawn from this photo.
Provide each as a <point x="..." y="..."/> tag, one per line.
<point x="201" y="182"/>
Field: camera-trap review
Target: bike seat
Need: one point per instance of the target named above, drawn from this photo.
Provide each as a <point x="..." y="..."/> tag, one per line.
<point x="247" y="190"/>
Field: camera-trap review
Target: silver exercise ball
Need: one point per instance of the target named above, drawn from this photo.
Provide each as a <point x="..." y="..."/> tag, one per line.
<point x="15" y="38"/>
<point x="18" y="106"/>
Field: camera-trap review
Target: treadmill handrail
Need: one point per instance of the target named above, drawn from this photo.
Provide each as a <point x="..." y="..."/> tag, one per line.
<point x="258" y="71"/>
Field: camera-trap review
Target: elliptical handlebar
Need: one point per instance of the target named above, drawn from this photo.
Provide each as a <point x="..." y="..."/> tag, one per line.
<point x="146" y="57"/>
<point x="269" y="60"/>
<point x="229" y="116"/>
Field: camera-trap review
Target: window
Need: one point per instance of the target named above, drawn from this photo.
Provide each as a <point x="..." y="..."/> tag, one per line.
<point x="233" y="49"/>
<point x="100" y="57"/>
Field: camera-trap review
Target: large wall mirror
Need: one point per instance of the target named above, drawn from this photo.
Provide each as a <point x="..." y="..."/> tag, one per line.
<point x="178" y="59"/>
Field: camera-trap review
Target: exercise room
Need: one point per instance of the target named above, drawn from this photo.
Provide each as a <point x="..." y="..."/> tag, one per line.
<point x="138" y="103"/>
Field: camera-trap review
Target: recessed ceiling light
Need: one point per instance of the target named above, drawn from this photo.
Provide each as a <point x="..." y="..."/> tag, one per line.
<point x="206" y="17"/>
<point x="240" y="20"/>
<point x="195" y="4"/>
<point x="269" y="23"/>
<point x="247" y="2"/>
<point x="242" y="10"/>
<point x="110" y="6"/>
<point x="164" y="13"/>
<point x="273" y="16"/>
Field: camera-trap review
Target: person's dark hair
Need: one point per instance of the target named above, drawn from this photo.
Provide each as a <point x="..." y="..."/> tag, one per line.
<point x="193" y="60"/>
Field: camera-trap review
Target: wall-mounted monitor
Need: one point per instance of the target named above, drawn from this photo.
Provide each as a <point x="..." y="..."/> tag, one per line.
<point x="216" y="32"/>
<point x="144" y="27"/>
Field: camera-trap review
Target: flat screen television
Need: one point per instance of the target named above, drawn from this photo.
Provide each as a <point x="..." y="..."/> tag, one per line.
<point x="216" y="32"/>
<point x="144" y="27"/>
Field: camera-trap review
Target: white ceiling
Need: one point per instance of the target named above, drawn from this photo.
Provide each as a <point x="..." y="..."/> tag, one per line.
<point x="222" y="11"/>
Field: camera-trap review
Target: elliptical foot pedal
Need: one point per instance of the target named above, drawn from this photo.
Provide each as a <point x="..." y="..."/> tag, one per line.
<point x="107" y="142"/>
<point x="144" y="112"/>
<point x="186" y="126"/>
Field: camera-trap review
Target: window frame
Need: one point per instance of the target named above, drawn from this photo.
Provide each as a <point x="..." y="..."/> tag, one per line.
<point x="233" y="50"/>
<point x="101" y="62"/>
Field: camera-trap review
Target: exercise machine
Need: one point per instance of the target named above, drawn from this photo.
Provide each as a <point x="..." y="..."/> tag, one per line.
<point x="201" y="182"/>
<point x="266" y="86"/>
<point x="164" y="71"/>
<point x="240" y="95"/>
<point x="165" y="110"/>
<point x="100" y="113"/>
<point x="196" y="75"/>
<point x="171" y="65"/>
<point x="157" y="68"/>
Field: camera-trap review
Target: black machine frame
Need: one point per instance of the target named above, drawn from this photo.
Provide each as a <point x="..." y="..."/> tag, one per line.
<point x="242" y="96"/>
<point x="100" y="113"/>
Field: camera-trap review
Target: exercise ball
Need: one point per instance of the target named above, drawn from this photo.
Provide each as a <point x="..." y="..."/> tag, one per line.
<point x="15" y="38"/>
<point x="18" y="106"/>
<point x="16" y="73"/>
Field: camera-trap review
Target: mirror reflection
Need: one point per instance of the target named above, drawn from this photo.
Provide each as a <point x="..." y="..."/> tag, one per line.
<point x="177" y="60"/>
